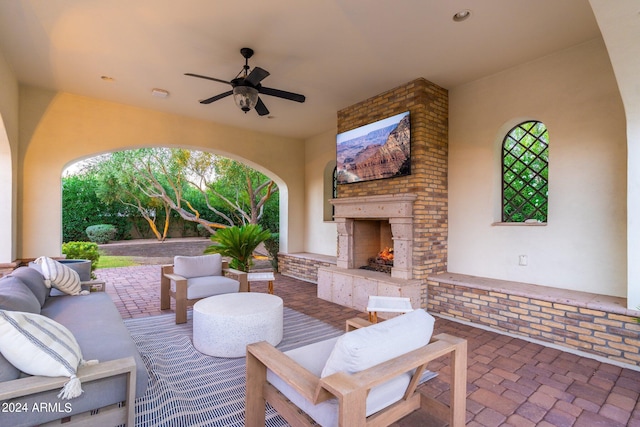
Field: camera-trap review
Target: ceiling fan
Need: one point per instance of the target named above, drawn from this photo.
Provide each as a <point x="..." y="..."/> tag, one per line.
<point x="246" y="87"/>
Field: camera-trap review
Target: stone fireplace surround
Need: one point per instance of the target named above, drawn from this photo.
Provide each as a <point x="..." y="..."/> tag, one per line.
<point x="396" y="209"/>
<point x="350" y="286"/>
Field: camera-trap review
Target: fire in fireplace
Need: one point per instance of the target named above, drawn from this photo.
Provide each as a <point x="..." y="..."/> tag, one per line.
<point x="383" y="262"/>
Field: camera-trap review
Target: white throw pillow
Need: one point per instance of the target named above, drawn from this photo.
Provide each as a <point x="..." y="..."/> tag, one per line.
<point x="60" y="276"/>
<point x="37" y="345"/>
<point x="366" y="347"/>
<point x="198" y="266"/>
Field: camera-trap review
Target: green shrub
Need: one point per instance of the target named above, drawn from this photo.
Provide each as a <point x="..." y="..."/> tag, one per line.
<point x="272" y="245"/>
<point x="101" y="233"/>
<point x="82" y="250"/>
<point x="238" y="243"/>
<point x="202" y="232"/>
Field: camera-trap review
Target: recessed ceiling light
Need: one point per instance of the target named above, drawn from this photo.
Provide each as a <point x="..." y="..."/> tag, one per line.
<point x="108" y="79"/>
<point x="462" y="15"/>
<point x="159" y="93"/>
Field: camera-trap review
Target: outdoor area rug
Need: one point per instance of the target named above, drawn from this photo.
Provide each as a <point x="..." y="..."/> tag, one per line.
<point x="189" y="389"/>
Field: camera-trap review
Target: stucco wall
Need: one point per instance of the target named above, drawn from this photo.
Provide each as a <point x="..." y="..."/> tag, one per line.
<point x="583" y="247"/>
<point x="320" y="235"/>
<point x="57" y="129"/>
<point x="8" y="160"/>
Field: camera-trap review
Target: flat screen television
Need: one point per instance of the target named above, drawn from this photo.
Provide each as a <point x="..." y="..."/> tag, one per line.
<point x="379" y="150"/>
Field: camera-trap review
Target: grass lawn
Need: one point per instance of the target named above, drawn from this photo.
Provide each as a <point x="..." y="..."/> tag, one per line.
<point x="108" y="261"/>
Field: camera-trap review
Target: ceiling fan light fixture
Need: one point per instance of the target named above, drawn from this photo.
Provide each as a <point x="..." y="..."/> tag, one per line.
<point x="462" y="15"/>
<point x="246" y="97"/>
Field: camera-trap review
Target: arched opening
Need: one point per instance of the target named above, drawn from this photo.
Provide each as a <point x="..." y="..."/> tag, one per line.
<point x="164" y="192"/>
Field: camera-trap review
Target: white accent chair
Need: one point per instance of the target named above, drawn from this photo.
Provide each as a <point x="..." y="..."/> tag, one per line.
<point x="366" y="377"/>
<point x="192" y="278"/>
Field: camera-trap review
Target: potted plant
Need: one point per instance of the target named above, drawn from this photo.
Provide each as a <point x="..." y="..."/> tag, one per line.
<point x="238" y="243"/>
<point x="82" y="257"/>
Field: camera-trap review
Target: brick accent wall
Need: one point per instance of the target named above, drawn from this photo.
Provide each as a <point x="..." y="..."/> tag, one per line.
<point x="303" y="266"/>
<point x="429" y="108"/>
<point x="611" y="333"/>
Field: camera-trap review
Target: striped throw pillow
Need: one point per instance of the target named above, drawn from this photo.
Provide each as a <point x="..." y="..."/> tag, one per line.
<point x="60" y="276"/>
<point x="37" y="345"/>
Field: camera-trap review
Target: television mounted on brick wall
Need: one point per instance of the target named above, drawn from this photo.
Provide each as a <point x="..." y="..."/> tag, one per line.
<point x="378" y="150"/>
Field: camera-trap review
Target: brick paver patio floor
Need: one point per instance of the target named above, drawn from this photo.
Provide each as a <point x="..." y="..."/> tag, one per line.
<point x="511" y="382"/>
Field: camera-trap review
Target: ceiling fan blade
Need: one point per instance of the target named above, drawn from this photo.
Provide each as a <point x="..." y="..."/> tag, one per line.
<point x="256" y="76"/>
<point x="261" y="109"/>
<point x="282" y="94"/>
<point x="206" y="77"/>
<point x="215" y="98"/>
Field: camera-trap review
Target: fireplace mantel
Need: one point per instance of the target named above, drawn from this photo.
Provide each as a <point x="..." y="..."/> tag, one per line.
<point x="396" y="208"/>
<point x="372" y="207"/>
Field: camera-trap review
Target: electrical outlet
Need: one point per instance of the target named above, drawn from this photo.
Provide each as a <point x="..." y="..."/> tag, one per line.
<point x="523" y="260"/>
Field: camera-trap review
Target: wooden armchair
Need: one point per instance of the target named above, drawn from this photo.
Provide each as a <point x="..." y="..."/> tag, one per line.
<point x="306" y="396"/>
<point x="190" y="279"/>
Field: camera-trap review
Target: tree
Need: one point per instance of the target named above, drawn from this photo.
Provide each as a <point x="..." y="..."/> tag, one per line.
<point x="153" y="179"/>
<point x="229" y="185"/>
<point x="81" y="207"/>
<point x="246" y="190"/>
<point x="122" y="179"/>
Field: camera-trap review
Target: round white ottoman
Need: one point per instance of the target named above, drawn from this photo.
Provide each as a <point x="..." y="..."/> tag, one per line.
<point x="224" y="324"/>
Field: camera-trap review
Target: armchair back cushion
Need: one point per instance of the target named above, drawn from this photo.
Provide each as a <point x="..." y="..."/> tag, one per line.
<point x="198" y="266"/>
<point x="366" y="347"/>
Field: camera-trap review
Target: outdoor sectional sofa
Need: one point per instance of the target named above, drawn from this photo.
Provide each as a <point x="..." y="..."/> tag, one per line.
<point x="93" y="319"/>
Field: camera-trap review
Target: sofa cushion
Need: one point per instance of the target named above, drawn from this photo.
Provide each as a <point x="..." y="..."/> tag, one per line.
<point x="34" y="280"/>
<point x="60" y="276"/>
<point x="198" y="266"/>
<point x="16" y="296"/>
<point x="98" y="327"/>
<point x="8" y="372"/>
<point x="38" y="345"/>
<point x="366" y="347"/>
<point x="202" y="287"/>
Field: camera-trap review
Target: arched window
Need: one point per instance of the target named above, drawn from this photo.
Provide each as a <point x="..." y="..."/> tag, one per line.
<point x="525" y="173"/>
<point x="329" y="190"/>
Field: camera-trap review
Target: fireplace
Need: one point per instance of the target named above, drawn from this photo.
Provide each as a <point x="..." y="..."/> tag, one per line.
<point x="373" y="245"/>
<point x="368" y="226"/>
<point x="382" y="262"/>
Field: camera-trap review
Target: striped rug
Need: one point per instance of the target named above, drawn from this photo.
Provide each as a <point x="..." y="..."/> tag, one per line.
<point x="188" y="388"/>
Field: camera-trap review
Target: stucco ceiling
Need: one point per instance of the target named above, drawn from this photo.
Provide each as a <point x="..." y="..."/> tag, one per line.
<point x="336" y="52"/>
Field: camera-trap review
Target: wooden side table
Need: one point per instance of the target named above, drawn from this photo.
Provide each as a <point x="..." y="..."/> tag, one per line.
<point x="261" y="277"/>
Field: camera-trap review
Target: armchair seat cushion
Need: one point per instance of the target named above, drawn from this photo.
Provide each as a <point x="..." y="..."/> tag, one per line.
<point x="202" y="287"/>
